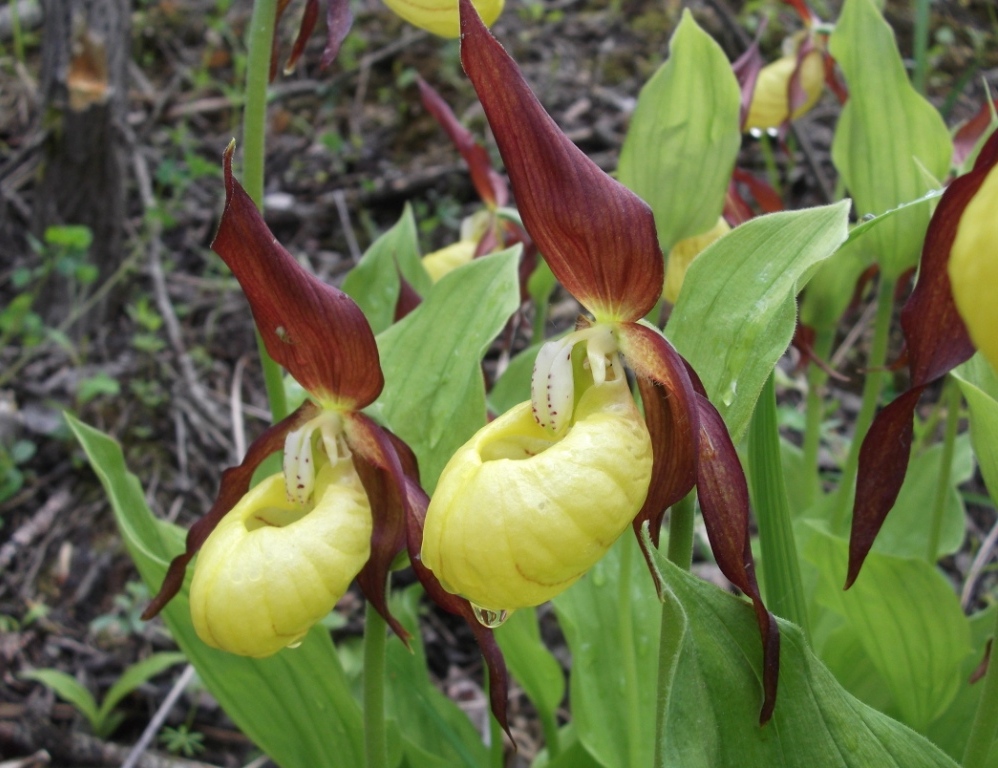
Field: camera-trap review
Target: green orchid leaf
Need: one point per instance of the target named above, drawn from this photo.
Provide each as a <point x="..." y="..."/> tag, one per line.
<point x="136" y="675"/>
<point x="434" y="396"/>
<point x="907" y="619"/>
<point x="67" y="688"/>
<point x="716" y="692"/>
<point x="906" y="530"/>
<point x="531" y="662"/>
<point x="307" y="716"/>
<point x="611" y="623"/>
<point x="979" y="385"/>
<point x="736" y="312"/>
<point x="374" y="283"/>
<point x="435" y="732"/>
<point x="573" y="753"/>
<point x="684" y="136"/>
<point x="888" y="136"/>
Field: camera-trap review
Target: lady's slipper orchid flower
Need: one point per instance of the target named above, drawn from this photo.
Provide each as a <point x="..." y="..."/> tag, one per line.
<point x="951" y="310"/>
<point x="276" y="558"/>
<point x="339" y="19"/>
<point x="546" y="484"/>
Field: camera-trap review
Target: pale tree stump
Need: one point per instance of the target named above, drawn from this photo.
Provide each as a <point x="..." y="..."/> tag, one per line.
<point x="83" y="86"/>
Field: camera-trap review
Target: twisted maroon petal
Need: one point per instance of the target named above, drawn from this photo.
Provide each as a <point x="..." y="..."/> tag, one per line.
<point x="339" y="19"/>
<point x="597" y="236"/>
<point x="724" y="502"/>
<point x="305" y="29"/>
<point x="234" y="485"/>
<point x="673" y="423"/>
<point x="312" y="329"/>
<point x="498" y="675"/>
<point x="383" y="477"/>
<point x="936" y="342"/>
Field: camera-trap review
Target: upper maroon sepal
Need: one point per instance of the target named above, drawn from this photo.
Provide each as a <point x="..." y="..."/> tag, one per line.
<point x="491" y="187"/>
<point x="339" y="19"/>
<point x="235" y="483"/>
<point x="597" y="236"/>
<point x="314" y="330"/>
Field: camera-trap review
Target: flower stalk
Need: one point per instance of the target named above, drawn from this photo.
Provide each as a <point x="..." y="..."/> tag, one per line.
<point x="951" y="399"/>
<point x="375" y="734"/>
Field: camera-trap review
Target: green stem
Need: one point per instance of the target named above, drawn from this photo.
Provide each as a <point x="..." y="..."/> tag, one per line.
<point x="628" y="657"/>
<point x="815" y="411"/>
<point x="871" y="395"/>
<point x="375" y="640"/>
<point x="261" y="37"/>
<point x="673" y="625"/>
<point x="681" y="522"/>
<point x="921" y="51"/>
<point x="951" y="397"/>
<point x="784" y="593"/>
<point x="772" y="171"/>
<point x="982" y="732"/>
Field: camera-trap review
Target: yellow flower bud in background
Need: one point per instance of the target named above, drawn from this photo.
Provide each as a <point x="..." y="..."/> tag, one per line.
<point x="440" y="16"/>
<point x="273" y="567"/>
<point x="473" y="228"/>
<point x="682" y="255"/>
<point x="770" y="106"/>
<point x="519" y="513"/>
<point x="973" y="268"/>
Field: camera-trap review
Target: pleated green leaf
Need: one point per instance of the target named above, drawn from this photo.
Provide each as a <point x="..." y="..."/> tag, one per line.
<point x="296" y="705"/>
<point x="736" y="312"/>
<point x="434" y="395"/>
<point x="890" y="142"/>
<point x="907" y="618"/>
<point x="714" y="705"/>
<point x="684" y="136"/>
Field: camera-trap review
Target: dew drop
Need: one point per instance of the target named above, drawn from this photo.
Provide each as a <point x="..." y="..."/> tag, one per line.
<point x="489" y="618"/>
<point x="869" y="216"/>
<point x="296" y="643"/>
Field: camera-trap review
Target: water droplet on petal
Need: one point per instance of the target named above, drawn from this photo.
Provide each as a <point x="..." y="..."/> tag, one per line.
<point x="296" y="643"/>
<point x="869" y="216"/>
<point x="489" y="618"/>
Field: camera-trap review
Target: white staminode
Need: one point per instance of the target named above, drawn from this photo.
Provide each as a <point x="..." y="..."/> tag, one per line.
<point x="552" y="386"/>
<point x="299" y="463"/>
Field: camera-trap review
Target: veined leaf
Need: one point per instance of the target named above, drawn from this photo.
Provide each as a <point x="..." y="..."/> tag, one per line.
<point x="296" y="705"/>
<point x="611" y="621"/>
<point x="714" y="703"/>
<point x="907" y="618"/>
<point x="684" y="136"/>
<point x="67" y="688"/>
<point x="887" y="134"/>
<point x="434" y="396"/>
<point x="374" y="282"/>
<point x="736" y="312"/>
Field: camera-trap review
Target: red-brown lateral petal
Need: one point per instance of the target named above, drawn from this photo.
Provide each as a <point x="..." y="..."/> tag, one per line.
<point x="305" y="29"/>
<point x="234" y="485"/>
<point x="489" y="185"/>
<point x="936" y="342"/>
<point x="498" y="675"/>
<point x="672" y="418"/>
<point x="597" y="236"/>
<point x="312" y="329"/>
<point x="724" y="502"/>
<point x="339" y="19"/>
<point x="383" y="478"/>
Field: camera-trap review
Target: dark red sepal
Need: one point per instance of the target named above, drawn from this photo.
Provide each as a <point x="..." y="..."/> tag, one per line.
<point x="490" y="185"/>
<point x="314" y="330"/>
<point x="407" y="300"/>
<point x="279" y="10"/>
<point x="597" y="236"/>
<point x="971" y="131"/>
<point x="936" y="341"/>
<point x="305" y="30"/>
<point x="673" y="422"/>
<point x="746" y="68"/>
<point x="498" y="675"/>
<point x="339" y="19"/>
<point x="383" y="477"/>
<point x="724" y="503"/>
<point x="234" y="485"/>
